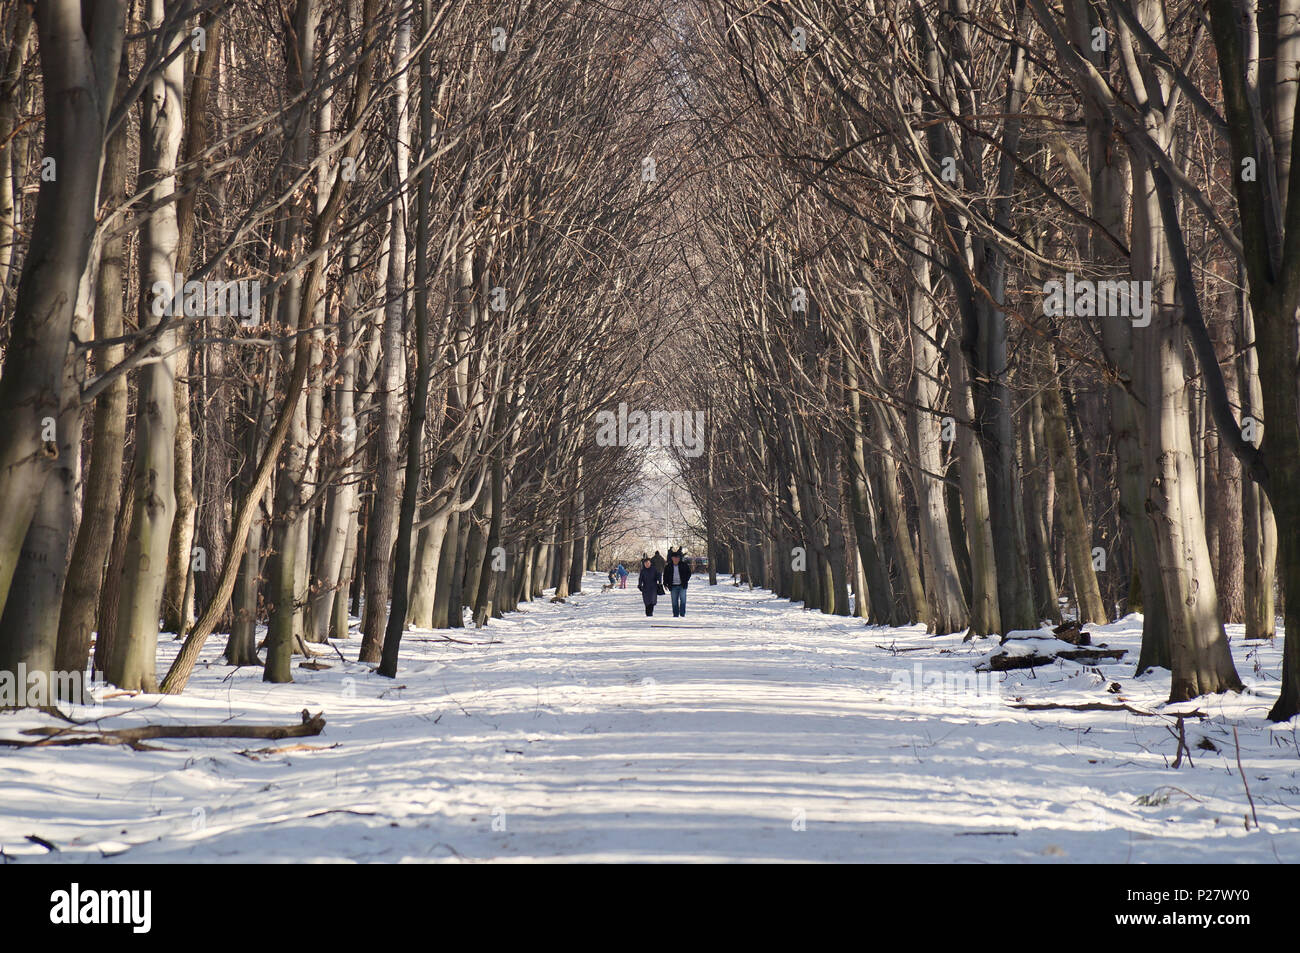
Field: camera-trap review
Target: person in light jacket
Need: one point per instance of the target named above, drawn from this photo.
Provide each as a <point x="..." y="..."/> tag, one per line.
<point x="676" y="575"/>
<point x="648" y="582"/>
<point x="622" y="573"/>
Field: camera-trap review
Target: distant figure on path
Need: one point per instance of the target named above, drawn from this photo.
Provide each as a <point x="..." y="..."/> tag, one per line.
<point x="622" y="576"/>
<point x="649" y="584"/>
<point x="676" y="575"/>
<point x="658" y="562"/>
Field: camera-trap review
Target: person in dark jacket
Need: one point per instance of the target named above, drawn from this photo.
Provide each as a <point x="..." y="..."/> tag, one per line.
<point x="658" y="562"/>
<point x="676" y="576"/>
<point x="648" y="582"/>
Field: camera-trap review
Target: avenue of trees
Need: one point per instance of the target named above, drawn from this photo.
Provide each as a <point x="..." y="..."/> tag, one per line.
<point x="907" y="407"/>
<point x="440" y="212"/>
<point x="309" y="308"/>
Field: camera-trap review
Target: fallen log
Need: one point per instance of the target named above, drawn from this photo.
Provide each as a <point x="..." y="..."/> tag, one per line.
<point x="1005" y="663"/>
<point x="1084" y="655"/>
<point x="135" y="737"/>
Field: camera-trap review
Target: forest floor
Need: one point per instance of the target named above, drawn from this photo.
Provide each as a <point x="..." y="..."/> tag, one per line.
<point x="750" y="730"/>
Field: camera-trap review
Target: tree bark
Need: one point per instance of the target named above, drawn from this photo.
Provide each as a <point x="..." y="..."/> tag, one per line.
<point x="80" y="46"/>
<point x="1074" y="520"/>
<point x="132" y="665"/>
<point x="103" y="489"/>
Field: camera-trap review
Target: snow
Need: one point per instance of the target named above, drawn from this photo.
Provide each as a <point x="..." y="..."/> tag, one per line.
<point x="751" y="730"/>
<point x="1035" y="645"/>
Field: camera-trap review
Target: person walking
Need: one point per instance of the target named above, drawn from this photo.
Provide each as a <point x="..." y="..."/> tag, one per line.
<point x="649" y="583"/>
<point x="622" y="576"/>
<point x="676" y="576"/>
<point x="658" y="562"/>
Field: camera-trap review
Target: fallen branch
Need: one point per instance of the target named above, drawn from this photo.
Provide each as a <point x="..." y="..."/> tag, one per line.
<point x="1242" y="771"/>
<point x="134" y="737"/>
<point x="457" y="641"/>
<point x="988" y="834"/>
<point x="1102" y="706"/>
<point x="43" y="843"/>
<point x="287" y="749"/>
<point x="1181" y="735"/>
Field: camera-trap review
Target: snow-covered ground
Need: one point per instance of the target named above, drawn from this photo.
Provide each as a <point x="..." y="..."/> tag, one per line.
<point x="751" y="730"/>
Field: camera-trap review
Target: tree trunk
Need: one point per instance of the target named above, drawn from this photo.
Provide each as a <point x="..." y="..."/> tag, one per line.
<point x="80" y="46"/>
<point x="135" y="644"/>
<point x="1074" y="521"/>
<point x="287" y="577"/>
<point x="19" y="41"/>
<point x="947" y="610"/>
<point x="985" y="618"/>
<point x="1200" y="659"/>
<point x="103" y="489"/>
<point x="420" y="397"/>
<point x="389" y="434"/>
<point x="1035" y="468"/>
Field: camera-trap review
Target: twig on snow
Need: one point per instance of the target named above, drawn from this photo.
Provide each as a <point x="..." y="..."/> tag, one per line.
<point x="134" y="737"/>
<point x="1255" y="817"/>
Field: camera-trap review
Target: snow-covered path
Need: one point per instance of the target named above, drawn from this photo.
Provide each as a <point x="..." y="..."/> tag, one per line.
<point x="751" y="730"/>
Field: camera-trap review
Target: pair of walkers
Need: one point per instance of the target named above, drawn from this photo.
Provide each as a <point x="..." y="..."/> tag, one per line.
<point x="674" y="577"/>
